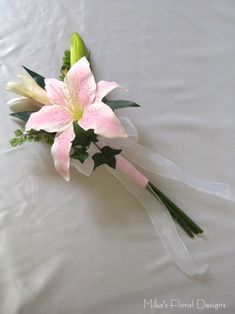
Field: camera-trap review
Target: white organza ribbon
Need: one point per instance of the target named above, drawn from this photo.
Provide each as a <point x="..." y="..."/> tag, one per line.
<point x="164" y="226"/>
<point x="160" y="217"/>
<point x="87" y="166"/>
<point x="158" y="164"/>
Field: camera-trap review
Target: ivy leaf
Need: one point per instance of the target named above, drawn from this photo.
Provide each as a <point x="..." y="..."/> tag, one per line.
<point x="106" y="156"/>
<point x="22" y="115"/>
<point x="80" y="153"/>
<point x="83" y="138"/>
<point x="118" y="104"/>
<point x="98" y="160"/>
<point x="40" y="80"/>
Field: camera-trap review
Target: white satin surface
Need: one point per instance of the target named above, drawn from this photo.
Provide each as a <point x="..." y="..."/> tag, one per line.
<point x="88" y="246"/>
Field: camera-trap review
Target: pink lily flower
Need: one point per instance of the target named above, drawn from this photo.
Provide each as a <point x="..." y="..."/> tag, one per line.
<point x="78" y="99"/>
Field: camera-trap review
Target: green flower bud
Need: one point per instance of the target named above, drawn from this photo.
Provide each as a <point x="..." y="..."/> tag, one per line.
<point x="77" y="48"/>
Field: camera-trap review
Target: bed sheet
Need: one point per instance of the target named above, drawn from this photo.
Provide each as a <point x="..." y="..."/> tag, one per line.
<point x="88" y="246"/>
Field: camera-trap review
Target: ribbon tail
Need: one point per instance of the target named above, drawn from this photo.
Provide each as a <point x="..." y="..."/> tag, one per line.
<point x="158" y="164"/>
<point x="163" y="225"/>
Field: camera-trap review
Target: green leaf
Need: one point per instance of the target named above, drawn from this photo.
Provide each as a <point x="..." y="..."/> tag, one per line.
<point x="80" y="154"/>
<point x="66" y="58"/>
<point x="77" y="48"/>
<point x="83" y="138"/>
<point x="118" y="104"/>
<point x="31" y="136"/>
<point x="22" y="115"/>
<point x="19" y="132"/>
<point x="40" y="80"/>
<point x="98" y="160"/>
<point x="106" y="156"/>
<point x="66" y="64"/>
<point x="48" y="137"/>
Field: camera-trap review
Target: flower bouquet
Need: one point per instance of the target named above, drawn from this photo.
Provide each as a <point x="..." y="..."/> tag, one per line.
<point x="73" y="115"/>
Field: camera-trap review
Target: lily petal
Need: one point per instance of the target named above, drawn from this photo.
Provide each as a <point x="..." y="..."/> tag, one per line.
<point x="49" y="118"/>
<point x="102" y="119"/>
<point x="60" y="151"/>
<point x="81" y="83"/>
<point x="57" y="92"/>
<point x="104" y="88"/>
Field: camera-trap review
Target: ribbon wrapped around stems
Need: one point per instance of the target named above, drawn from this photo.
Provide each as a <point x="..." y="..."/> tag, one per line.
<point x="138" y="184"/>
<point x="158" y="164"/>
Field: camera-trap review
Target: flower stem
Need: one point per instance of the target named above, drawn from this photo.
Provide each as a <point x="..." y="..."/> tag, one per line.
<point x="189" y="226"/>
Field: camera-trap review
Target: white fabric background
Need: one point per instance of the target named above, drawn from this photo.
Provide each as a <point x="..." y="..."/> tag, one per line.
<point x="88" y="246"/>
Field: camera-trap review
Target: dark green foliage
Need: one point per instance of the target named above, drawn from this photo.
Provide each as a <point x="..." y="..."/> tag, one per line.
<point x="106" y="156"/>
<point x="22" y="115"/>
<point x="118" y="104"/>
<point x="31" y="136"/>
<point x="40" y="80"/>
<point x="66" y="64"/>
<point x="82" y="142"/>
<point x="83" y="138"/>
<point x="79" y="153"/>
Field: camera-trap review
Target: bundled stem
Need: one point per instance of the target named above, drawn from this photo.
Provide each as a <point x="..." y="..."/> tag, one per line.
<point x="189" y="226"/>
